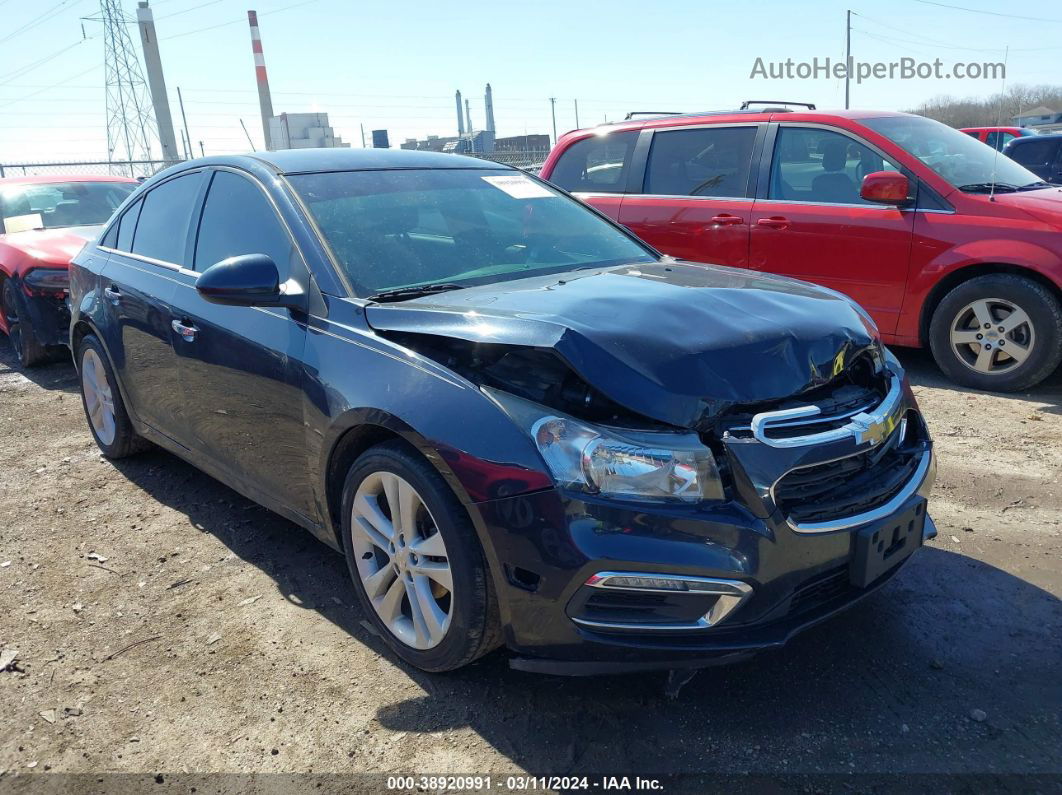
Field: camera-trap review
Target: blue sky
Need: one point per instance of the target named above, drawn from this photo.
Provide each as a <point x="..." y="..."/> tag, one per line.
<point x="396" y="65"/>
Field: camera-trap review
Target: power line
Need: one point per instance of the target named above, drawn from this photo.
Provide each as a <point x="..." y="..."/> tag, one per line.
<point x="37" y="20"/>
<point x="235" y="21"/>
<point x="10" y="76"/>
<point x="989" y="13"/>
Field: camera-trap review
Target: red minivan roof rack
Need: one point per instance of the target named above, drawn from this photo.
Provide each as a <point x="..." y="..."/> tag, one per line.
<point x="747" y="102"/>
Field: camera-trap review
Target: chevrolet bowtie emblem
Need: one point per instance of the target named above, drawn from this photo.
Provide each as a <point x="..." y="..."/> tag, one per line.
<point x="873" y="433"/>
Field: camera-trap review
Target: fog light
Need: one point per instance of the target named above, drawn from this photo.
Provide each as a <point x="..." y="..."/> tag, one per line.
<point x="638" y="583"/>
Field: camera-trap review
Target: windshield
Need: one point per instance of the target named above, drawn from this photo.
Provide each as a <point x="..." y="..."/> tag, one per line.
<point x="963" y="161"/>
<point x="460" y="227"/>
<point x="47" y="205"/>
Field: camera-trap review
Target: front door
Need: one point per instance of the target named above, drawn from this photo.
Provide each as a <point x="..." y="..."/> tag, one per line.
<point x="241" y="366"/>
<point x="695" y="202"/>
<point x="810" y="222"/>
<point x="138" y="282"/>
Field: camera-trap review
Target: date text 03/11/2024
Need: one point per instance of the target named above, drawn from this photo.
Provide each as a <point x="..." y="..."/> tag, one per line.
<point x="524" y="783"/>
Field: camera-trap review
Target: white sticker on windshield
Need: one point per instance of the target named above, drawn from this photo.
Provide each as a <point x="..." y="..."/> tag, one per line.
<point x="22" y="223"/>
<point x="520" y="187"/>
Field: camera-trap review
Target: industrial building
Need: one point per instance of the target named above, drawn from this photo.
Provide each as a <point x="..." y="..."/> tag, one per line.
<point x="470" y="141"/>
<point x="303" y="131"/>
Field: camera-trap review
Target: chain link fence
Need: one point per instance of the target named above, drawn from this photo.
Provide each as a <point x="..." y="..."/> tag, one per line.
<point x="528" y="159"/>
<point x="103" y="168"/>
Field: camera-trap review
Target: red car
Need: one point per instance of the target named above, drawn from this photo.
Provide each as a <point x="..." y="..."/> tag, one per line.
<point x="997" y="137"/>
<point x="44" y="222"/>
<point x="943" y="241"/>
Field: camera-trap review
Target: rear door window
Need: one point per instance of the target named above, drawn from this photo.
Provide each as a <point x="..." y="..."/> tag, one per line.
<point x="599" y="164"/>
<point x="127" y="225"/>
<point x="238" y="219"/>
<point x="707" y="161"/>
<point x="812" y="164"/>
<point x="162" y="229"/>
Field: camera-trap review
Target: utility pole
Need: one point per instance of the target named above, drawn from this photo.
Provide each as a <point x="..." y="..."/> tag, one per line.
<point x="847" y="57"/>
<point x="553" y="111"/>
<point x="202" y="151"/>
<point x="156" y="81"/>
<point x="576" y="113"/>
<point x="184" y="120"/>
<point x="362" y="136"/>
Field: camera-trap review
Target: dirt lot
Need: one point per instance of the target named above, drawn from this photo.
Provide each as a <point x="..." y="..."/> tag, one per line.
<point x="163" y="624"/>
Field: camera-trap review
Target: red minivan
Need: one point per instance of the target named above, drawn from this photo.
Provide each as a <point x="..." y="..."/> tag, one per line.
<point x="941" y="239"/>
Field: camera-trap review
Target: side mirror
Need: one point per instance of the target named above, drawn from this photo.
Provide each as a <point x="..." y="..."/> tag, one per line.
<point x="886" y="187"/>
<point x="246" y="280"/>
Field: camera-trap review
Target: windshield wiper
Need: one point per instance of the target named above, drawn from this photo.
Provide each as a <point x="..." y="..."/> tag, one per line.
<point x="987" y="187"/>
<point x="1036" y="185"/>
<point x="405" y="293"/>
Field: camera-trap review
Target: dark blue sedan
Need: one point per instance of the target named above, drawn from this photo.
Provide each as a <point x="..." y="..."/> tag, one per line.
<point x="520" y="424"/>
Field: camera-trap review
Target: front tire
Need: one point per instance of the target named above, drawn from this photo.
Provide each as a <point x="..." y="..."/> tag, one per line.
<point x="416" y="563"/>
<point x="28" y="352"/>
<point x="104" y="409"/>
<point x="998" y="332"/>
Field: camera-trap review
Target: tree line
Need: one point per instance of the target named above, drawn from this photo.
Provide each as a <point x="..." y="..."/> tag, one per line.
<point x="990" y="111"/>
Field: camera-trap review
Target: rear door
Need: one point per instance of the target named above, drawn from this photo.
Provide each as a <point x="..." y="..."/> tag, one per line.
<point x="240" y="366"/>
<point x="138" y="283"/>
<point x="695" y="201"/>
<point x="810" y="222"/>
<point x="598" y="169"/>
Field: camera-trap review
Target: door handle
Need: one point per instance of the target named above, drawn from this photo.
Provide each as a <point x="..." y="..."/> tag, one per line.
<point x="726" y="219"/>
<point x="774" y="222"/>
<point x="114" y="295"/>
<point x="186" y="332"/>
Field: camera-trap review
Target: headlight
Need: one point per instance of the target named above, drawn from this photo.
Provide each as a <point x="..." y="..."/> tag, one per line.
<point x="615" y="462"/>
<point x="52" y="279"/>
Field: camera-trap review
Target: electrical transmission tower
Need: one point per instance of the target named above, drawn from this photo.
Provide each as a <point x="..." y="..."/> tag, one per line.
<point x="130" y="119"/>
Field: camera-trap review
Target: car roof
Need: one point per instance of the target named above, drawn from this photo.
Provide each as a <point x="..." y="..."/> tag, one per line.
<point x="296" y="161"/>
<point x="723" y="116"/>
<point x="44" y="179"/>
<point x="1029" y="139"/>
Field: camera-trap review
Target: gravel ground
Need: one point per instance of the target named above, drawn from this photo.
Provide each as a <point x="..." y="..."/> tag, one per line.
<point x="165" y="625"/>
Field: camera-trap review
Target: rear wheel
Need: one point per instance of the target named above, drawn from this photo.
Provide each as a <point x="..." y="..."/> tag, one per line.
<point x="415" y="560"/>
<point x="998" y="332"/>
<point x="28" y="352"/>
<point x="107" y="418"/>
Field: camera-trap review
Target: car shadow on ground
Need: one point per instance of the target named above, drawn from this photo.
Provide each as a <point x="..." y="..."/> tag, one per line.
<point x="923" y="371"/>
<point x="887" y="686"/>
<point x="55" y="375"/>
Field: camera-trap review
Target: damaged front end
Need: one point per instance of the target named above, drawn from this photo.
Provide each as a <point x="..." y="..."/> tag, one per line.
<point x="725" y="476"/>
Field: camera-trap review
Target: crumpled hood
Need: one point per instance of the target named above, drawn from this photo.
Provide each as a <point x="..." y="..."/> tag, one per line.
<point x="51" y="246"/>
<point x="673" y="341"/>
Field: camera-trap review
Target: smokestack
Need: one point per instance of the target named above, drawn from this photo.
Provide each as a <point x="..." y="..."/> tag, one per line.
<point x="488" y="101"/>
<point x="264" y="99"/>
<point x="156" y="82"/>
<point x="468" y="118"/>
<point x="460" y="115"/>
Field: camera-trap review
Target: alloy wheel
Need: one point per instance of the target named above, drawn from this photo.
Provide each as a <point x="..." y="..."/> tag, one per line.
<point x="992" y="335"/>
<point x="402" y="560"/>
<point x="99" y="400"/>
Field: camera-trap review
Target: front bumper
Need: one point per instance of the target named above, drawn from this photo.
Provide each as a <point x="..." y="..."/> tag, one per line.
<point x="550" y="543"/>
<point x="49" y="317"/>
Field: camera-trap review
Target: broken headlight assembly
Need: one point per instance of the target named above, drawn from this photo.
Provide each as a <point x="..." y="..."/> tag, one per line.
<point x="616" y="462"/>
<point x="47" y="281"/>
